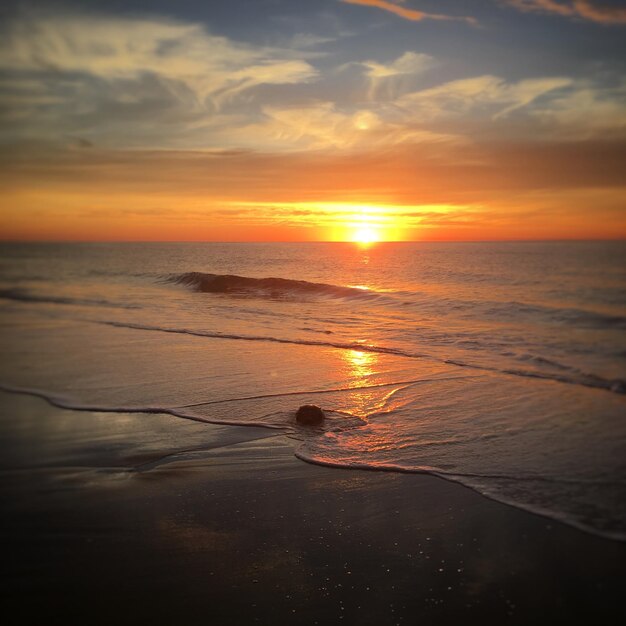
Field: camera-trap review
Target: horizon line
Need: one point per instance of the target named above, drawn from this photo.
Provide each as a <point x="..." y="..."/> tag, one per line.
<point x="315" y="241"/>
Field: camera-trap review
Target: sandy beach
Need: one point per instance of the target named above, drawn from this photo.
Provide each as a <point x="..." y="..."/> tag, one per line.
<point x="115" y="519"/>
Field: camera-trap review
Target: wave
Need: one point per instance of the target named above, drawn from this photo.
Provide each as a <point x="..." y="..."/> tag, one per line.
<point x="272" y="288"/>
<point x="20" y="295"/>
<point x="61" y="402"/>
<point x="291" y="289"/>
<point x="572" y="316"/>
<point x="583" y="379"/>
<point x="520" y="311"/>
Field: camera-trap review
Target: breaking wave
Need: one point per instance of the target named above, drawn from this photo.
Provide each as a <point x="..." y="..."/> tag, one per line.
<point x="272" y="288"/>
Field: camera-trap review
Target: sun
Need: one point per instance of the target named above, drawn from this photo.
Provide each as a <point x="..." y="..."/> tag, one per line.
<point x="365" y="235"/>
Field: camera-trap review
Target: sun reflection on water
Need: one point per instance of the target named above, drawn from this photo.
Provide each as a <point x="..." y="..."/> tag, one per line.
<point x="361" y="367"/>
<point x="371" y="392"/>
<point x="360" y="362"/>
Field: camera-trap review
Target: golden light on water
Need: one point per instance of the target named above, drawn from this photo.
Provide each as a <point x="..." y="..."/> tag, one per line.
<point x="367" y="397"/>
<point x="361" y="366"/>
<point x="361" y="363"/>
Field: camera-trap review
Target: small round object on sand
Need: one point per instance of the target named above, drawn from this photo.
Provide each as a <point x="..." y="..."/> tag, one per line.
<point x="309" y="414"/>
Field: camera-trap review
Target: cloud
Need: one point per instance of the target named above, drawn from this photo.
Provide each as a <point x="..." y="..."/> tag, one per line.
<point x="188" y="61"/>
<point x="325" y="126"/>
<point x="480" y="95"/>
<point x="582" y="9"/>
<point x="408" y="63"/>
<point x="443" y="118"/>
<point x="408" y="14"/>
<point x="388" y="79"/>
<point x="585" y="112"/>
<point x="135" y="82"/>
<point x="148" y="83"/>
<point x="549" y="108"/>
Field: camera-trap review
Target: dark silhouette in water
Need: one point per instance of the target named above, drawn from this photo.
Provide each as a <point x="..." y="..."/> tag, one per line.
<point x="309" y="414"/>
<point x="273" y="288"/>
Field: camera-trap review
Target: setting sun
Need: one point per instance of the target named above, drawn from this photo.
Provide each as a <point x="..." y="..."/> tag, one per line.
<point x="366" y="235"/>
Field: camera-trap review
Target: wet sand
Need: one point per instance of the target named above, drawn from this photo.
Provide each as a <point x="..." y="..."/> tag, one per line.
<point x="149" y="519"/>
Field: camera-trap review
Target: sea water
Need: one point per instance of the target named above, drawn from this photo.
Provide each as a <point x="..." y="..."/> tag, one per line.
<point x="497" y="365"/>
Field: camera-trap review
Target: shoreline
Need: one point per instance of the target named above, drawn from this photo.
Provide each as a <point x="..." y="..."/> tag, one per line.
<point x="239" y="530"/>
<point x="515" y="505"/>
<point x="60" y="403"/>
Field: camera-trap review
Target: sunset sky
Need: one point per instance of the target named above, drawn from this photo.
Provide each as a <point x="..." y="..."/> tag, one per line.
<point x="301" y="120"/>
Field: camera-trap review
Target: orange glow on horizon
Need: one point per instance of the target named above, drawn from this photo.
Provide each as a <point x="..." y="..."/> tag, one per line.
<point x="364" y="224"/>
<point x="60" y="214"/>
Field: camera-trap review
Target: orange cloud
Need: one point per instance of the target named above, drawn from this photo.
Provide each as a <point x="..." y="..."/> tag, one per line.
<point x="585" y="9"/>
<point x="407" y="14"/>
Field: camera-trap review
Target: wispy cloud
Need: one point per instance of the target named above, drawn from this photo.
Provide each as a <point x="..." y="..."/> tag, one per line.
<point x="551" y="108"/>
<point x="590" y="10"/>
<point x="186" y="59"/>
<point x="408" y="63"/>
<point x="389" y="79"/>
<point x="408" y="14"/>
<point x="586" y="112"/>
<point x="134" y="82"/>
<point x="479" y="96"/>
<point x="325" y="126"/>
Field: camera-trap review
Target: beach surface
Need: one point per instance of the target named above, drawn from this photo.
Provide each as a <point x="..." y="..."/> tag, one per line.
<point x="149" y="519"/>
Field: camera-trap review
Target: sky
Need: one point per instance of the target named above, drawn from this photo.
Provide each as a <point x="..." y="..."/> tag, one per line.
<point x="298" y="120"/>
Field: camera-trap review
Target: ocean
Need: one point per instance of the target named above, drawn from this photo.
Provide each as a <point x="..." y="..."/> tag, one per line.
<point x="500" y="366"/>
